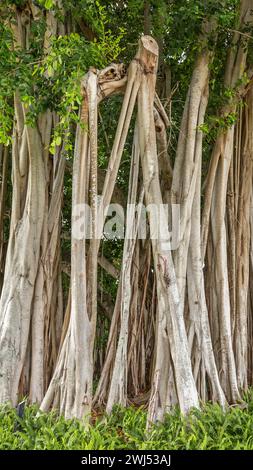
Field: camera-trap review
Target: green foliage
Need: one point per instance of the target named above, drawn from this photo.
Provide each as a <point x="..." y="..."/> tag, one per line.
<point x="7" y="63"/>
<point x="51" y="79"/>
<point x="67" y="62"/>
<point x="210" y="428"/>
<point x="215" y="125"/>
<point x="48" y="4"/>
<point x="6" y="121"/>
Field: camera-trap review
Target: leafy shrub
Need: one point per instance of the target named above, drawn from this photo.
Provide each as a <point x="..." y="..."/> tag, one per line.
<point x="210" y="428"/>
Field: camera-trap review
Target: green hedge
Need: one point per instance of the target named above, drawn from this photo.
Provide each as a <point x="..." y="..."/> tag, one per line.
<point x="125" y="429"/>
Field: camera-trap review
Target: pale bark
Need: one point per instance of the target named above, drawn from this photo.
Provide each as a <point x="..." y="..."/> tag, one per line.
<point x="239" y="202"/>
<point x="118" y="386"/>
<point x="181" y="328"/>
<point x="215" y="212"/>
<point x="20" y="273"/>
<point x="171" y="328"/>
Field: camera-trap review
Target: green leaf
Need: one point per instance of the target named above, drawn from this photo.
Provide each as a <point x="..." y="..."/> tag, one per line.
<point x="49" y="4"/>
<point x="58" y="140"/>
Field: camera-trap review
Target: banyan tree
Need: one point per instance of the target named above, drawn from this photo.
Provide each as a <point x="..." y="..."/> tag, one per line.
<point x="177" y="326"/>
